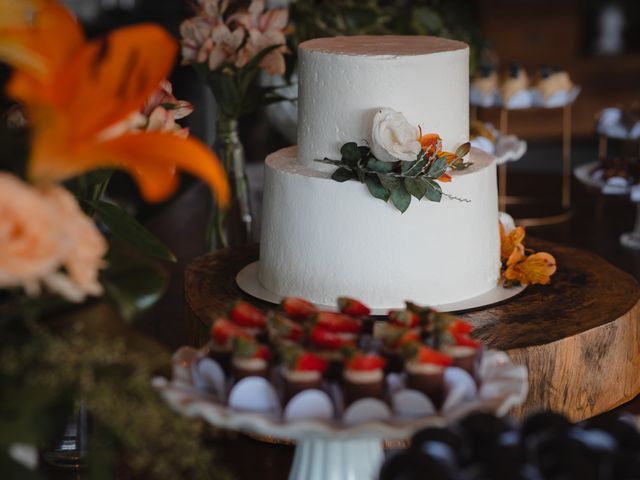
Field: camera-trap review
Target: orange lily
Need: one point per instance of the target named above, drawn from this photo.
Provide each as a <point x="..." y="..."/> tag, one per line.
<point x="88" y="87"/>
<point x="534" y="269"/>
<point x="511" y="242"/>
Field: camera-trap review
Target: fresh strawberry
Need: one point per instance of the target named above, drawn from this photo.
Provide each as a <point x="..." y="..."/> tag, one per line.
<point x="298" y="308"/>
<point x="263" y="352"/>
<point x="429" y="355"/>
<point x="394" y="336"/>
<point x="353" y="307"/>
<point x="246" y="315"/>
<point x="366" y="362"/>
<point x="285" y="328"/>
<point x="249" y="348"/>
<point x="465" y="340"/>
<point x="223" y="331"/>
<point x="308" y="361"/>
<point x="404" y="318"/>
<point x="460" y="327"/>
<point x="338" y="322"/>
<point x="323" y="338"/>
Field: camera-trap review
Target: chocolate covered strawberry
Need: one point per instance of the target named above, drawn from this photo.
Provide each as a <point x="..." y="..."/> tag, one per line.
<point x="248" y="316"/>
<point x="302" y="370"/>
<point x="249" y="358"/>
<point x="363" y="376"/>
<point x="223" y="332"/>
<point x="324" y="339"/>
<point x="282" y="328"/>
<point x="337" y="322"/>
<point x="425" y="371"/>
<point x="298" y="308"/>
<point x="464" y="350"/>
<point x="403" y="318"/>
<point x="353" y="307"/>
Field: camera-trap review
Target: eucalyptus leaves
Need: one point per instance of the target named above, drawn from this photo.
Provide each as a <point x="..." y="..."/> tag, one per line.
<point x="400" y="180"/>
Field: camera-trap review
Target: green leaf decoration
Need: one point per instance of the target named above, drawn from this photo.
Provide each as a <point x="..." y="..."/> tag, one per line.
<point x="407" y="166"/>
<point x="132" y="283"/>
<point x="398" y="181"/>
<point x="416" y="168"/>
<point x="380" y="167"/>
<point x="342" y="175"/>
<point x="364" y="152"/>
<point x="127" y="229"/>
<point x="350" y="154"/>
<point x="400" y="198"/>
<point x="434" y="191"/>
<point x="416" y="187"/>
<point x="375" y="187"/>
<point x="463" y="149"/>
<point x="437" y="168"/>
<point x="390" y="183"/>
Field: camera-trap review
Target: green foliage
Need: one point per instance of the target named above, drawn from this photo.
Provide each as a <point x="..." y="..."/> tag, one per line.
<point x="42" y="375"/>
<point x="133" y="283"/>
<point x="127" y="229"/>
<point x="398" y="181"/>
<point x="442" y="18"/>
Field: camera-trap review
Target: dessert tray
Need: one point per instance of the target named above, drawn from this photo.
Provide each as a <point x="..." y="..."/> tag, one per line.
<point x="506" y="148"/>
<point x="247" y="280"/>
<point x="615" y="123"/>
<point x="334" y="442"/>
<point x="589" y="176"/>
<point x="527" y="98"/>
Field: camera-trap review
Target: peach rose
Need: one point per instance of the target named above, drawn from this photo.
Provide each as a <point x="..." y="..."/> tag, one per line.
<point x="32" y="239"/>
<point x="41" y="231"/>
<point x="88" y="247"/>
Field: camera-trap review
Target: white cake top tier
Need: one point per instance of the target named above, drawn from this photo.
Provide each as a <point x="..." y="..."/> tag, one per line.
<point x="344" y="81"/>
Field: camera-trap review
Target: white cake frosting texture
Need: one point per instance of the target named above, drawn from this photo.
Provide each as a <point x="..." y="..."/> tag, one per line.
<point x="344" y="81"/>
<point x="322" y="239"/>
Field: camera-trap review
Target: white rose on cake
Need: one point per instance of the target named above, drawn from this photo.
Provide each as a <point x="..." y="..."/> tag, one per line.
<point x="393" y="138"/>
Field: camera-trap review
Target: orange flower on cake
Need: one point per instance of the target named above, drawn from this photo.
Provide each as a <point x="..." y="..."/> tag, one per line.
<point x="510" y="241"/>
<point x="431" y="143"/>
<point x="46" y="240"/>
<point x="87" y="88"/>
<point x="520" y="265"/>
<point x="534" y="269"/>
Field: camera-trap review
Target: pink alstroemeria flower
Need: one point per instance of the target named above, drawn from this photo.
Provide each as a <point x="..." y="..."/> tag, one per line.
<point x="265" y="29"/>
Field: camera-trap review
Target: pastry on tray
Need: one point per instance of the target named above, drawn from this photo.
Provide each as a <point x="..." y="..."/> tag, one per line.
<point x="551" y="81"/>
<point x="515" y="87"/>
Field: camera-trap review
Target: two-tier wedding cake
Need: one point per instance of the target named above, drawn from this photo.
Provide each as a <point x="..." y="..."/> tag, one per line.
<point x="323" y="238"/>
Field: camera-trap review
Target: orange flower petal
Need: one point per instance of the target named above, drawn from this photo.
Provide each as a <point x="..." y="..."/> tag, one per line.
<point x="449" y="156"/>
<point x="535" y="269"/>
<point x="45" y="44"/>
<point x="511" y="241"/>
<point x="153" y="158"/>
<point x="430" y="143"/>
<point x="445" y="178"/>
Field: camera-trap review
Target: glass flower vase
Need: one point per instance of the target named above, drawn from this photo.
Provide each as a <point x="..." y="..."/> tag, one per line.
<point x="233" y="225"/>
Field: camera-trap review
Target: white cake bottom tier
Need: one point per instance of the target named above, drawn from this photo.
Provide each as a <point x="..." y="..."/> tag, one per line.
<point x="322" y="239"/>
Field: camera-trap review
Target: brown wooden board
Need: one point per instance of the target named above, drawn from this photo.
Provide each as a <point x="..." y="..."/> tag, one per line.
<point x="579" y="336"/>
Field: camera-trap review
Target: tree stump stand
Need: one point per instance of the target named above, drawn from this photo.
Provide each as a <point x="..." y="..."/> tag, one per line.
<point x="579" y="337"/>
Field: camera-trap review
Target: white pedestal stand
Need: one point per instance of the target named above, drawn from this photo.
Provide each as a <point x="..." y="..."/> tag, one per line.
<point x="337" y="459"/>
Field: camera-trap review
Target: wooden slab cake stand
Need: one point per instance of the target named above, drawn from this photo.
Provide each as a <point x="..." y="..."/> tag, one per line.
<point x="579" y="337"/>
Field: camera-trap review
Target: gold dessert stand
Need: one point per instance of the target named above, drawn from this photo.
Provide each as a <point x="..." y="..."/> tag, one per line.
<point x="565" y="201"/>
